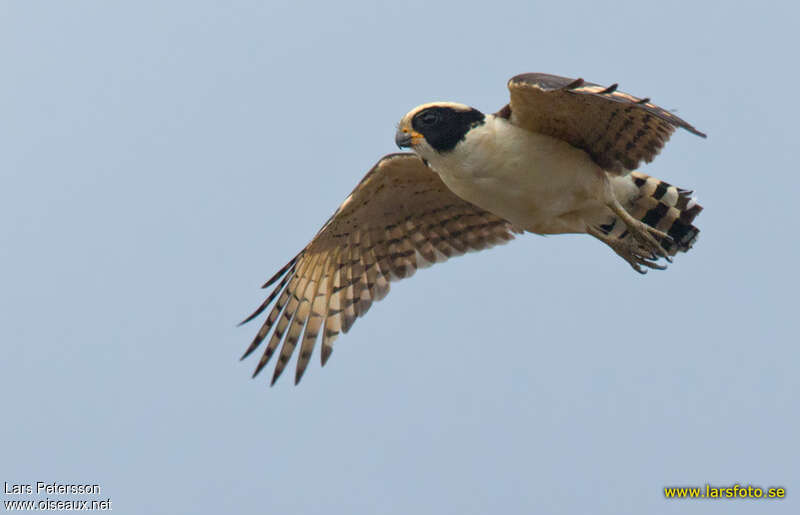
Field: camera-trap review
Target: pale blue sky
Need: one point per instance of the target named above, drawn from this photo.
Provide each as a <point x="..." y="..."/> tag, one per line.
<point x="161" y="159"/>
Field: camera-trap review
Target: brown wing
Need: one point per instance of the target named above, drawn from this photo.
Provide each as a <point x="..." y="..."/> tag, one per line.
<point x="400" y="217"/>
<point x="618" y="130"/>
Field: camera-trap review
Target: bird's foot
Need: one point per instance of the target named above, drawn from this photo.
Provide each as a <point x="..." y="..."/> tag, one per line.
<point x="632" y="250"/>
<point x="650" y="238"/>
<point x="647" y="239"/>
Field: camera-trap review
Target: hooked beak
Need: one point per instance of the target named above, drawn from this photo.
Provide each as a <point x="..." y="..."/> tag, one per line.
<point x="403" y="138"/>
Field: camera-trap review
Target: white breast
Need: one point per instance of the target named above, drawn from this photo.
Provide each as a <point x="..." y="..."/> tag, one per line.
<point x="539" y="183"/>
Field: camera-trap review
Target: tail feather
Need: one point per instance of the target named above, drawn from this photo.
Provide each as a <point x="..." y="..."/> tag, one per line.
<point x="663" y="206"/>
<point x="668" y="209"/>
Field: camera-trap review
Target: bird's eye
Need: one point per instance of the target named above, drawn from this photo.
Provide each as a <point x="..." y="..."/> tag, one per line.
<point x="428" y="118"/>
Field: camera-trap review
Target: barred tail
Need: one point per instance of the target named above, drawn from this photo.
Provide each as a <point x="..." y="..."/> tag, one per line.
<point x="664" y="207"/>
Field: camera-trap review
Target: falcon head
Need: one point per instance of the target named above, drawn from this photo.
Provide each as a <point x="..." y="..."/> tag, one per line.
<point x="436" y="128"/>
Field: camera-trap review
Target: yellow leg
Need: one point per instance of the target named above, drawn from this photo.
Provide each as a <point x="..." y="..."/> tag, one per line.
<point x="629" y="250"/>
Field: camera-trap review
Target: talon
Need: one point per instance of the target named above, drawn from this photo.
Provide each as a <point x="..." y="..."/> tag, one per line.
<point x="636" y="253"/>
<point x="643" y="244"/>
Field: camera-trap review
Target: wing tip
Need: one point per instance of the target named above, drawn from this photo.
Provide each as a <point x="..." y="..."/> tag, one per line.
<point x="697" y="132"/>
<point x="325" y="354"/>
<point x="548" y="82"/>
<point x="280" y="273"/>
<point x="249" y="318"/>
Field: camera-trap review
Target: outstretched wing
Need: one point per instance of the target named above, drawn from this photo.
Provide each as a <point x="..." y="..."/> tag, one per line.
<point x="399" y="218"/>
<point x="616" y="129"/>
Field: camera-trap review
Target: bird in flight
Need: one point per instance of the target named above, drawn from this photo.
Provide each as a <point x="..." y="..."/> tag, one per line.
<point x="558" y="158"/>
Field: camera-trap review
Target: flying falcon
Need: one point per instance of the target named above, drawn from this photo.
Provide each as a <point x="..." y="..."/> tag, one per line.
<point x="558" y="158"/>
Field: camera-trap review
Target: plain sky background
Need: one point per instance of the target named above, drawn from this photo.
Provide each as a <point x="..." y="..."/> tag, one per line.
<point x="160" y="160"/>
